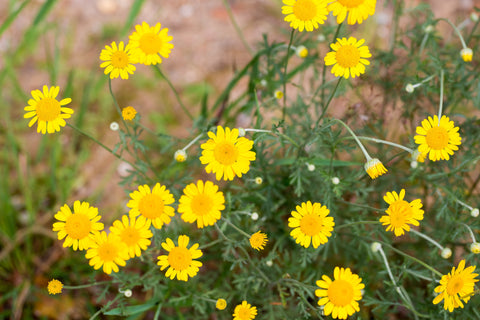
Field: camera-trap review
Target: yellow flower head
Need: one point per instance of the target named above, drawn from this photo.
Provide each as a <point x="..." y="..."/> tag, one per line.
<point x="439" y="140"/>
<point x="128" y="113"/>
<point x="221" y="304"/>
<point x="78" y="227"/>
<point x="151" y="43"/>
<point x="305" y="14"/>
<point x="180" y="259"/>
<point x="107" y="251"/>
<point x="456" y="286"/>
<point x="301" y="51"/>
<point x="54" y="286"/>
<point x="357" y="10"/>
<point x="340" y="296"/>
<point x="400" y="213"/>
<point x="278" y="94"/>
<point x="153" y="205"/>
<point x="226" y="154"/>
<point x="180" y="155"/>
<point x="348" y="57"/>
<point x="258" y="240"/>
<point x="375" y="168"/>
<point x="466" y="54"/>
<point x="134" y="232"/>
<point x="311" y="224"/>
<point x="47" y="110"/>
<point x="118" y="60"/>
<point x="244" y="311"/>
<point x="201" y="202"/>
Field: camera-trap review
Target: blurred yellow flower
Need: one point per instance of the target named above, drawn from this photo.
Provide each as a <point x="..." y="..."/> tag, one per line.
<point x="134" y="232"/>
<point x="54" y="286"/>
<point x="258" y="240"/>
<point x="305" y="14"/>
<point x="151" y="43"/>
<point x="244" y="311"/>
<point x="375" y="168"/>
<point x="107" y="251"/>
<point x="357" y="10"/>
<point x="128" y="113"/>
<point x="221" y="304"/>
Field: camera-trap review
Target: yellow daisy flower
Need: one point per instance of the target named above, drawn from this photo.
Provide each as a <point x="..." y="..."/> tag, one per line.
<point x="258" y="240"/>
<point x="305" y="14"/>
<point x="128" y="113"/>
<point x="311" y="224"/>
<point x="180" y="259"/>
<point x="357" y="10"/>
<point x="221" y="304"/>
<point x="456" y="286"/>
<point x="340" y="296"/>
<point x="134" y="232"/>
<point x="439" y="140"/>
<point x="78" y="227"/>
<point x="47" y="110"/>
<point x="54" y="286"/>
<point x="244" y="311"/>
<point x="400" y="213"/>
<point x="226" y="154"/>
<point x="201" y="202"/>
<point x="151" y="43"/>
<point x="108" y="251"/>
<point x="118" y="60"/>
<point x="153" y="205"/>
<point x="466" y="54"/>
<point x="375" y="168"/>
<point x="348" y="57"/>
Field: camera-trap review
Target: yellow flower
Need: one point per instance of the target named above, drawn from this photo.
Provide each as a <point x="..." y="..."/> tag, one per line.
<point x="244" y="311"/>
<point x="108" y="251"/>
<point x="258" y="240"/>
<point x="153" y="205"/>
<point x="400" y="213"/>
<point x="340" y="296"/>
<point x="47" y="110"/>
<point x="466" y="54"/>
<point x="301" y="51"/>
<point x="439" y="140"/>
<point x="128" y="113"/>
<point x="375" y="168"/>
<point x="458" y="285"/>
<point x="202" y="203"/>
<point x="357" y="10"/>
<point x="118" y="60"/>
<point x="311" y="224"/>
<point x="134" y="232"/>
<point x="305" y="14"/>
<point x="54" y="286"/>
<point x="151" y="43"/>
<point x="78" y="227"/>
<point x="180" y="259"/>
<point x="278" y="94"/>
<point x="226" y="154"/>
<point x="348" y="57"/>
<point x="180" y="155"/>
<point x="221" y="304"/>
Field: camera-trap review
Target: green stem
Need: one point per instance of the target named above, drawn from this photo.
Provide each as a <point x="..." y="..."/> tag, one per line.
<point x="440" y="107"/>
<point x="324" y="71"/>
<point x="424" y="236"/>
<point x="365" y="153"/>
<point x="159" y="71"/>
<point x="329" y="100"/>
<point x="284" y="110"/>
<point x="88" y="285"/>
<point x="255" y="265"/>
<point x="235" y="25"/>
<point x="237" y="228"/>
<point x="456" y="31"/>
<point x="393" y="144"/>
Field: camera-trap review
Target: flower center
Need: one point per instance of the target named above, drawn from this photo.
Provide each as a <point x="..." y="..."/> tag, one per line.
<point x="348" y="56"/>
<point x="305" y="9"/>
<point x="151" y="206"/>
<point x="400" y="211"/>
<point x="244" y="313"/>
<point x="437" y="138"/>
<point x="226" y="153"/>
<point x="150" y="43"/>
<point x="201" y="204"/>
<point x="256" y="240"/>
<point x="179" y="258"/>
<point x="455" y="285"/>
<point x="311" y="224"/>
<point x="351" y="3"/>
<point x="340" y="293"/>
<point x="78" y="226"/>
<point x="130" y="236"/>
<point x="48" y="109"/>
<point x="120" y="59"/>
<point x="107" y="252"/>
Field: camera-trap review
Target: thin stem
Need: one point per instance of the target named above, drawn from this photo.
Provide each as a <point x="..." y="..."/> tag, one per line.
<point x="88" y="285"/>
<point x="456" y="31"/>
<point x="324" y="71"/>
<point x="258" y="130"/>
<point x="237" y="228"/>
<point x="235" y="25"/>
<point x="157" y="68"/>
<point x="471" y="232"/>
<point x="365" y="153"/>
<point x="440" y="108"/>
<point x="329" y="100"/>
<point x="102" y="309"/>
<point x="260" y="272"/>
<point x="393" y="144"/>
<point x="284" y="110"/>
<point x="424" y="236"/>
<point x="117" y="106"/>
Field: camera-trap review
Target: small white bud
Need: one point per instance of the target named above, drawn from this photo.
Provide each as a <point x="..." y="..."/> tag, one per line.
<point x="258" y="180"/>
<point x="128" y="293"/>
<point x="429" y="28"/>
<point x="269" y="263"/>
<point x="414" y="164"/>
<point x="254" y="216"/>
<point x="310" y="167"/>
<point x="114" y="126"/>
<point x="474" y="213"/>
<point x="301" y="51"/>
<point x="321" y="38"/>
<point x="263" y="83"/>
<point x="375" y="246"/>
<point x="446" y="253"/>
<point x="474" y="16"/>
<point x="409" y="88"/>
<point x="180" y="155"/>
<point x="335" y="180"/>
<point x="241" y="132"/>
<point x="475" y="247"/>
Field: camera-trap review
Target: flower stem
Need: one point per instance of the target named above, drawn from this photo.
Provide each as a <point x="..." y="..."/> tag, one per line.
<point x="284" y="110"/>
<point x="88" y="285"/>
<point x="192" y="142"/>
<point x="440" y="107"/>
<point x="424" y="236"/>
<point x="237" y="228"/>
<point x="365" y="153"/>
<point x="393" y="144"/>
<point x="329" y="100"/>
<point x="456" y="31"/>
<point x="235" y="25"/>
